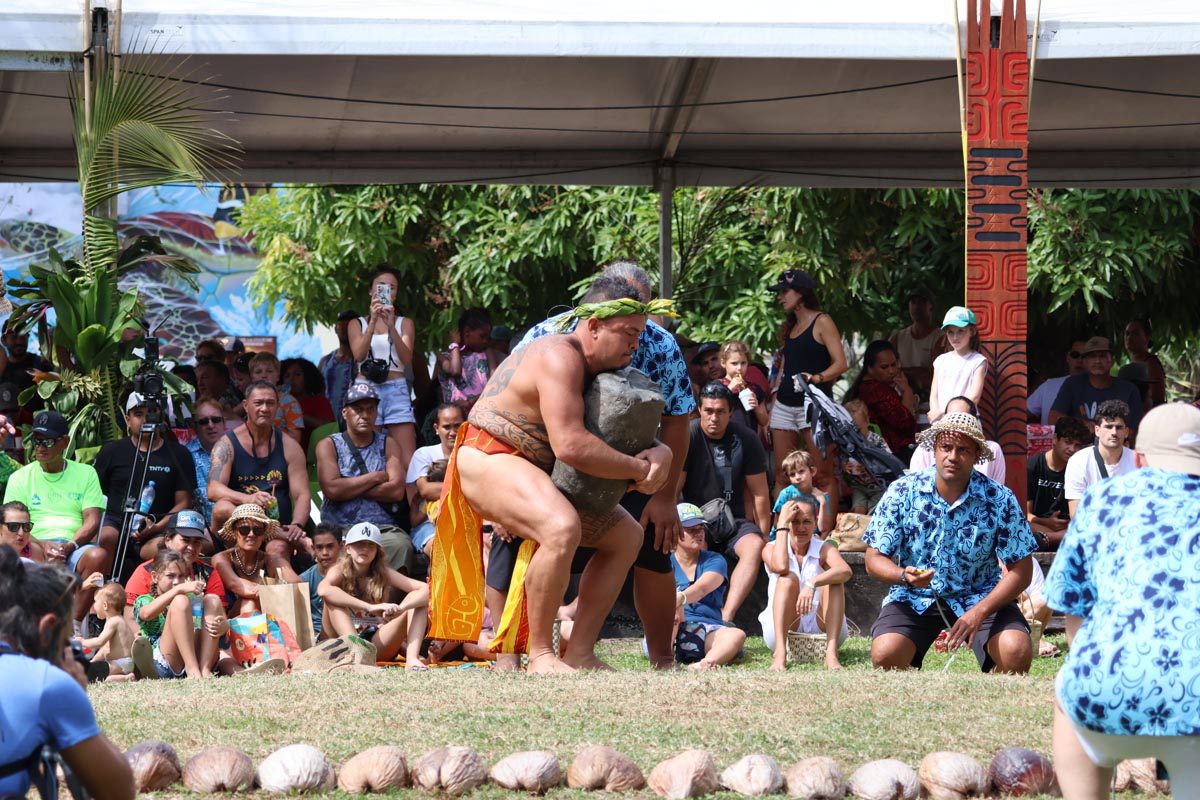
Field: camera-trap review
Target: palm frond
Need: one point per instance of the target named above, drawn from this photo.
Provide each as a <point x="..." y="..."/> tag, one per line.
<point x="145" y="128"/>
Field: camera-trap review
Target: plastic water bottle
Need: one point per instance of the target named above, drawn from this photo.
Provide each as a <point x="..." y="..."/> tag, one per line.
<point x="144" y="504"/>
<point x="197" y="611"/>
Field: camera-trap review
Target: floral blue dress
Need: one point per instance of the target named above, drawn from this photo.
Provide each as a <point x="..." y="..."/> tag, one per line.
<point x="1129" y="565"/>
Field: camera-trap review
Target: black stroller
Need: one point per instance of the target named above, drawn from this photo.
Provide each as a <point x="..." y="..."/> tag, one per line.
<point x="832" y="424"/>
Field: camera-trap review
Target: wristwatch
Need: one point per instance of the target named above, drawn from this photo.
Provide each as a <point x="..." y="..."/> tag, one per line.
<point x="904" y="578"/>
<point x="810" y="586"/>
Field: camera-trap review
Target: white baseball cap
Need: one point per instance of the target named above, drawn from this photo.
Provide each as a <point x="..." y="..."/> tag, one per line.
<point x="1169" y="437"/>
<point x="364" y="532"/>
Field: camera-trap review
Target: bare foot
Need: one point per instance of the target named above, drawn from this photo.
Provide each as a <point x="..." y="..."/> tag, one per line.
<point x="547" y="664"/>
<point x="508" y="662"/>
<point x="704" y="664"/>
<point x="832" y="663"/>
<point x="663" y="663"/>
<point x="590" y="662"/>
<point x="778" y="666"/>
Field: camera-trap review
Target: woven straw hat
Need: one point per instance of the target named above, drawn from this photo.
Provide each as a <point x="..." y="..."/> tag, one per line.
<point x="957" y="422"/>
<point x="248" y="511"/>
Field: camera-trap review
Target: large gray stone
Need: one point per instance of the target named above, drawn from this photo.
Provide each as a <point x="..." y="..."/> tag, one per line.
<point x="624" y="409"/>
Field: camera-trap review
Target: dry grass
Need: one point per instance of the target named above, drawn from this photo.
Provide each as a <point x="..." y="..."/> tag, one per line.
<point x="853" y="716"/>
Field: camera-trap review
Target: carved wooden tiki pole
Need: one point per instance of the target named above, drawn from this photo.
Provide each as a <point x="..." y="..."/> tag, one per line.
<point x="997" y="123"/>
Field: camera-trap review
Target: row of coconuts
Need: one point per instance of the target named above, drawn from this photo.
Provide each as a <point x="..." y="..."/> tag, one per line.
<point x="454" y="770"/>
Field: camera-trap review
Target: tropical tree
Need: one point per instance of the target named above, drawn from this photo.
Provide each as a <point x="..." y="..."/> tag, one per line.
<point x="133" y="129"/>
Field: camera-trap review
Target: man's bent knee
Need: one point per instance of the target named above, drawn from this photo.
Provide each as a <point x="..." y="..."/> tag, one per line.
<point x="892" y="652"/>
<point x="1012" y="651"/>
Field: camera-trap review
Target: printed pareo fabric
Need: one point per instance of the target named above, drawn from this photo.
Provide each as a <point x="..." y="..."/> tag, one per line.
<point x="915" y="527"/>
<point x="1130" y="567"/>
<point x="657" y="355"/>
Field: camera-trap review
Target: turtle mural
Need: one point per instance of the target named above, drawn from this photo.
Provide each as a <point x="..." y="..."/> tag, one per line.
<point x="190" y="322"/>
<point x="28" y="241"/>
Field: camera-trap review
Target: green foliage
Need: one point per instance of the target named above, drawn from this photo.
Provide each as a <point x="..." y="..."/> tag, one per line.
<point x="1097" y="256"/>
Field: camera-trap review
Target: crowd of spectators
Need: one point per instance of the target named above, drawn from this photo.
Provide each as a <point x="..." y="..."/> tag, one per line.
<point x="330" y="475"/>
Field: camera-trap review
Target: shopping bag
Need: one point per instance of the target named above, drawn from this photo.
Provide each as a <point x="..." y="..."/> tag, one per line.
<point x="289" y="602"/>
<point x="254" y="638"/>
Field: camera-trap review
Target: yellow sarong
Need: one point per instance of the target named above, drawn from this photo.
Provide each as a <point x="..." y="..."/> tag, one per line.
<point x="456" y="586"/>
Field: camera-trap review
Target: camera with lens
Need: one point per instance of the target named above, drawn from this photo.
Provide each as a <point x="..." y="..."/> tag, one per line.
<point x="149" y="383"/>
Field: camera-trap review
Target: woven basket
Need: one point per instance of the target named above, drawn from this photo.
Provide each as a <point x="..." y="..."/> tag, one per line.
<point x="805" y="648"/>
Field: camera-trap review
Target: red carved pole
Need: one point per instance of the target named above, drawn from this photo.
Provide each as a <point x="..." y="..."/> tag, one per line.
<point x="997" y="130"/>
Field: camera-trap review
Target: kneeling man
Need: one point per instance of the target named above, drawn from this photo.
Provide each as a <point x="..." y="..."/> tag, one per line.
<point x="530" y="413"/>
<point x="940" y="535"/>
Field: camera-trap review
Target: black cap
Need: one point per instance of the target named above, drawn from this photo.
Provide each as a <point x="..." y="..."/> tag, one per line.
<point x="347" y="315"/>
<point x="796" y="279"/>
<point x="703" y="349"/>
<point x="51" y="423"/>
<point x="8" y="397"/>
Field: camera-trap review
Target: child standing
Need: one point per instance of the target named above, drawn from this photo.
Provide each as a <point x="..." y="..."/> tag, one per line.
<point x="865" y="492"/>
<point x="289" y="416"/>
<point x="165" y="619"/>
<point x="798" y="466"/>
<point x="115" y="642"/>
<point x="355" y="591"/>
<point x="962" y="370"/>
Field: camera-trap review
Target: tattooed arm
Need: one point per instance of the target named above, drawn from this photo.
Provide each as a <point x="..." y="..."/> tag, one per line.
<point x="220" y="472"/>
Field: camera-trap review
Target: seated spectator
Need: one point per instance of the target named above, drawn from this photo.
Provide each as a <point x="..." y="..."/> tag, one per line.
<point x="466" y="365"/>
<point x="1042" y="399"/>
<point x="304" y="380"/>
<point x="16" y="529"/>
<point x="210" y="350"/>
<point x="1126" y="579"/>
<point x="1047" y="509"/>
<point x="994" y="468"/>
<point x="798" y="466"/>
<point x="942" y="578"/>
<point x="913" y="345"/>
<point x="212" y="380"/>
<point x="806" y="584"/>
<point x="1137" y="345"/>
<point x="243" y="566"/>
<point x="1138" y="374"/>
<point x="239" y="372"/>
<point x="1107" y="458"/>
<point x="338" y="366"/>
<point x="208" y="423"/>
<point x="186" y="536"/>
<point x="258" y="464"/>
<point x="114" y="644"/>
<point x="17" y="366"/>
<point x="753" y="407"/>
<point x="726" y="461"/>
<point x="1081" y="395"/>
<point x="361" y="477"/>
<point x="356" y="589"/>
<point x="425" y="482"/>
<point x="43" y="688"/>
<point x="891" y="404"/>
<point x="327" y="546"/>
<point x="289" y="417"/>
<point x="176" y="645"/>
<point x="502" y="339"/>
<point x="64" y="501"/>
<point x="121" y="467"/>
<point x="865" y="491"/>
<point x="704" y="638"/>
<point x="962" y="370"/>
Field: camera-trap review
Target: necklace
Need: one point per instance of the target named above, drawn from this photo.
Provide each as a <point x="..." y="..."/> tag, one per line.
<point x="46" y="475"/>
<point x="240" y="567"/>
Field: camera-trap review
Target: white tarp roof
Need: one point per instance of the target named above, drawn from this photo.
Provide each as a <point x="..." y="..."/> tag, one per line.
<point x="797" y="93"/>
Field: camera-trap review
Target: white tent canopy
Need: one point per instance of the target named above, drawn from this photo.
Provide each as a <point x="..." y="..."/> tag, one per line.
<point x="850" y="94"/>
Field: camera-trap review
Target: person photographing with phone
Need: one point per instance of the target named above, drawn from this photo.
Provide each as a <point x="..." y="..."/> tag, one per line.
<point x="382" y="343"/>
<point x="939" y="536"/>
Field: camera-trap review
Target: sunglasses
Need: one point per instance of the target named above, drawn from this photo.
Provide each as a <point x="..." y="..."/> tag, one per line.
<point x="17" y="527"/>
<point x="44" y="441"/>
<point x="198" y="421"/>
<point x="250" y="530"/>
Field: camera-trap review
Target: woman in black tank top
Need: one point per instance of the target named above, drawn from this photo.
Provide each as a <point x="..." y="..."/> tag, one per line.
<point x="811" y="346"/>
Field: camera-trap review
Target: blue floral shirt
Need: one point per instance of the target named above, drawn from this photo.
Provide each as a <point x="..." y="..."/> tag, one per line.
<point x="658" y="356"/>
<point x="1129" y="565"/>
<point x="203" y="461"/>
<point x="915" y="527"/>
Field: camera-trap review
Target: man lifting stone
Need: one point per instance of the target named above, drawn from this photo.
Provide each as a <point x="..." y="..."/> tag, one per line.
<point x="531" y="413"/>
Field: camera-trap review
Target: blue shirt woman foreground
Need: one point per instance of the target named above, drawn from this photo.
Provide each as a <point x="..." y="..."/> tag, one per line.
<point x="42" y="697"/>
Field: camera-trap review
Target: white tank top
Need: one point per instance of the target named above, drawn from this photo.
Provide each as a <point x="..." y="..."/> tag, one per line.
<point x="380" y="345"/>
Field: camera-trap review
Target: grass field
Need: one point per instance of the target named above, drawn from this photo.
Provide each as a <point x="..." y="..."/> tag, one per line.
<point x="854" y="716"/>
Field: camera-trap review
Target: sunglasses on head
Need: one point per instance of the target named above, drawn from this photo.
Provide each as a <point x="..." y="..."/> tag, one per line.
<point x="17" y="527"/>
<point x="198" y="421"/>
<point x="45" y="441"/>
<point x="251" y="530"/>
